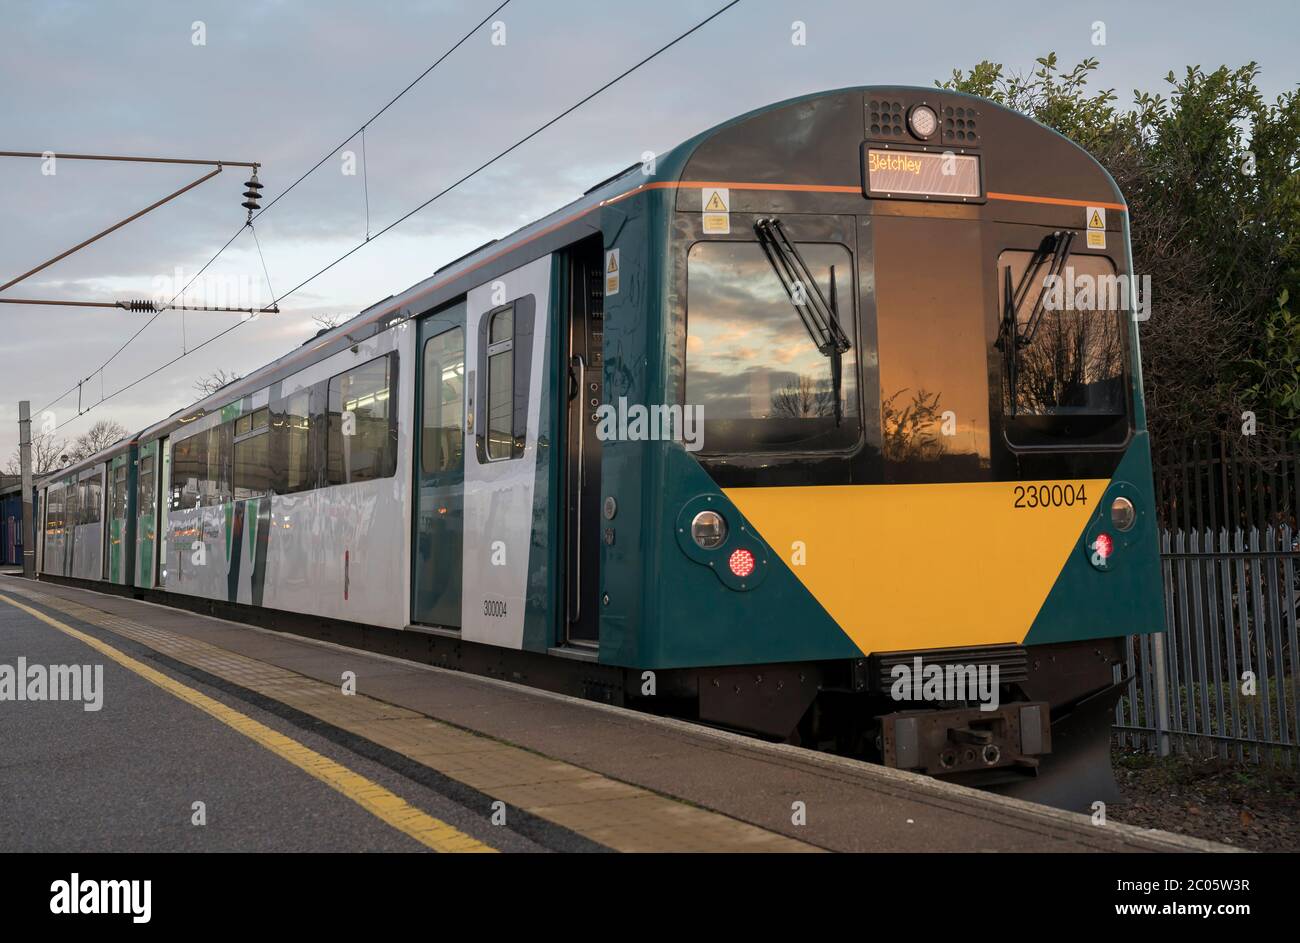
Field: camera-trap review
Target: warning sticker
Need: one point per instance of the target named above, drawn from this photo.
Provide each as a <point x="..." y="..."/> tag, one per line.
<point x="1096" y="227"/>
<point x="716" y="203"/>
<point x="611" y="272"/>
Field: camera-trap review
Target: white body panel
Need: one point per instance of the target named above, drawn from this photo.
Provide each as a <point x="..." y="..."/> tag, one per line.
<point x="88" y="552"/>
<point x="341" y="552"/>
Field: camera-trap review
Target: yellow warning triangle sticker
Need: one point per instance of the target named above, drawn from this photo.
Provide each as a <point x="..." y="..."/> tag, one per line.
<point x="1095" y="221"/>
<point x="613" y="263"/>
<point x="715" y="204"/>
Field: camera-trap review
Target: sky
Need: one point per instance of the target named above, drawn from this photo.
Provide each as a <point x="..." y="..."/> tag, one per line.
<point x="284" y="83"/>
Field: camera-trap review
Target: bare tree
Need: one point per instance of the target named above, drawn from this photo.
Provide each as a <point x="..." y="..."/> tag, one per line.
<point x="214" y="381"/>
<point x="47" y="452"/>
<point x="801" y="398"/>
<point x="99" y="436"/>
<point x="328" y="322"/>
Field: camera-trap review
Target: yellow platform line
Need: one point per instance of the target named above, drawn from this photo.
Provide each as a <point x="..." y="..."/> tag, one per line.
<point x="390" y="808"/>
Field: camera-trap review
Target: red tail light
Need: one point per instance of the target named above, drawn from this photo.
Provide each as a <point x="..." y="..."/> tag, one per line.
<point x="1103" y="546"/>
<point x="741" y="562"/>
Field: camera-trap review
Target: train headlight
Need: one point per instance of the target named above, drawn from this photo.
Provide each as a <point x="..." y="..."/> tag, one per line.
<point x="1122" y="514"/>
<point x="922" y="121"/>
<point x="709" y="530"/>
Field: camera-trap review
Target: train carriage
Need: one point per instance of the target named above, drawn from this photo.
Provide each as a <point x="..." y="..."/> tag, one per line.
<point x="74" y="523"/>
<point x="844" y="389"/>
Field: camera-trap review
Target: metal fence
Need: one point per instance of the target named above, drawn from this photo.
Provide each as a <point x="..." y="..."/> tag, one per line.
<point x="1228" y="482"/>
<point x="1222" y="677"/>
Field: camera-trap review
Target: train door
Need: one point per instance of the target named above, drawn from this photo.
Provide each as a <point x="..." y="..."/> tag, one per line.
<point x="934" y="341"/>
<point x="117" y="557"/>
<point x="584" y="340"/>
<point x="40" y="514"/>
<point x="161" y="497"/>
<point x="438" y="537"/>
<point x="72" y="517"/>
<point x="509" y="556"/>
<point x="146" y="522"/>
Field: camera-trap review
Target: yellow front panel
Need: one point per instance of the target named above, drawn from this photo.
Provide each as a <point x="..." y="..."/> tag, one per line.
<point x="922" y="566"/>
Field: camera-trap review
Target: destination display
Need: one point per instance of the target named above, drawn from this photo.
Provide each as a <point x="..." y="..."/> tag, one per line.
<point x="922" y="173"/>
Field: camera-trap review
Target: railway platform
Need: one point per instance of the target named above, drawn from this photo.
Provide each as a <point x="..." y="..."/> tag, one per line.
<point x="289" y="743"/>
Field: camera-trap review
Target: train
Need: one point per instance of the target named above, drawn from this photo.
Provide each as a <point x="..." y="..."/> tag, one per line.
<point x="825" y="425"/>
<point x="11" y="517"/>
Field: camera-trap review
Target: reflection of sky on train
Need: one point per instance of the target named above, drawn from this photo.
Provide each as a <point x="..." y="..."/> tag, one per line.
<point x="747" y="349"/>
<point x="73" y="82"/>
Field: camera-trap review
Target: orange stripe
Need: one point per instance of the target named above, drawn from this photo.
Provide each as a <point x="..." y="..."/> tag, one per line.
<point x="1053" y="201"/>
<point x="834" y="188"/>
<point x="791" y="187"/>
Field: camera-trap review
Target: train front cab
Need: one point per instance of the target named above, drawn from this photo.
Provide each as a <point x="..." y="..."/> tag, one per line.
<point x="905" y="464"/>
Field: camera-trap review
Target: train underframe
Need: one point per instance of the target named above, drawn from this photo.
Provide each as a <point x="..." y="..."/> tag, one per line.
<point x="1038" y="728"/>
<point x="1044" y="737"/>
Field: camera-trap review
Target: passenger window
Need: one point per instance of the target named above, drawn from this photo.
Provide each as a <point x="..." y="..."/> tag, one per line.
<point x="361" y="434"/>
<point x="189" y="468"/>
<point x="201" y="466"/>
<point x="73" y="505"/>
<point x="118" y="511"/>
<point x="54" y="510"/>
<point x="144" y="488"/>
<point x="297" y="459"/>
<point x="252" y="456"/>
<point x="216" y="485"/>
<point x="94" y="501"/>
<point x="500" y="385"/>
<point x="442" y="439"/>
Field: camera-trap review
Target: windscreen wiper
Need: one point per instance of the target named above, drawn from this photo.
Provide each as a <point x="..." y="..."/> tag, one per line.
<point x="837" y="358"/>
<point x="1057" y="246"/>
<point x="819" y="317"/>
<point x="1060" y="254"/>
